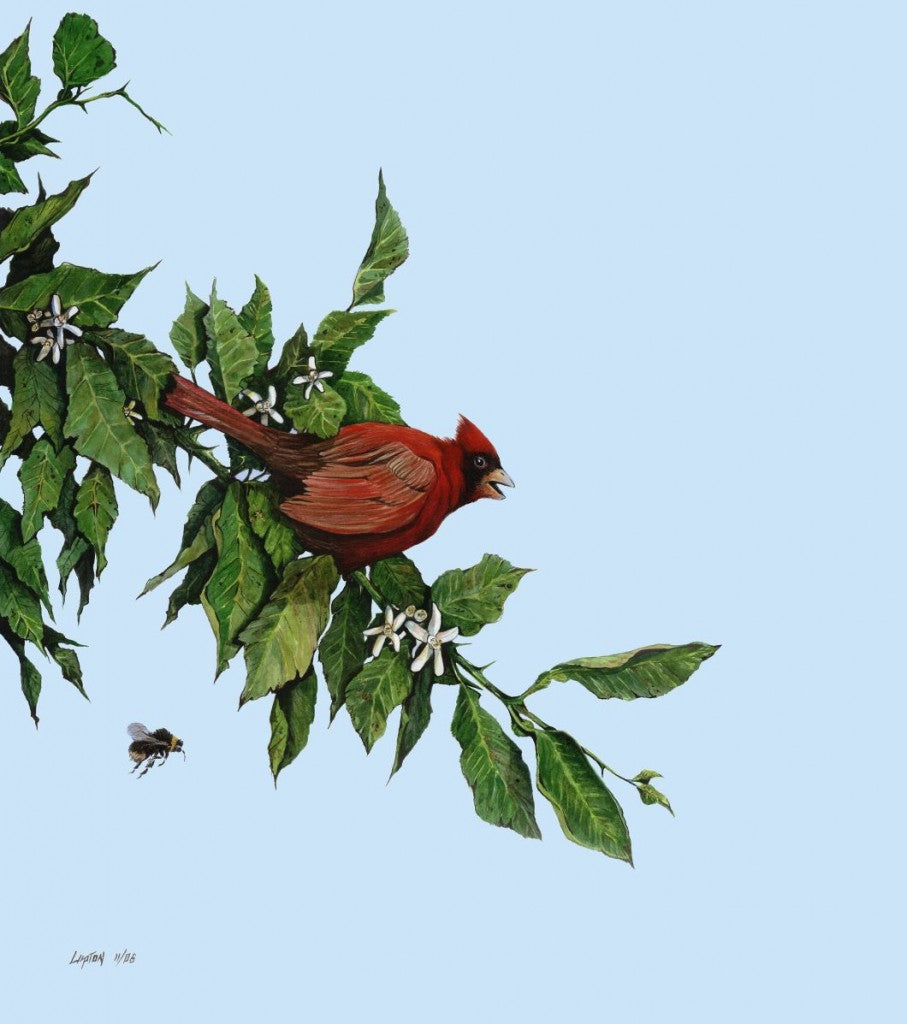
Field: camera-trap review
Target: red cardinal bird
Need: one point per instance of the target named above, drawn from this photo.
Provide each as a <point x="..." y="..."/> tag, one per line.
<point x="373" y="490"/>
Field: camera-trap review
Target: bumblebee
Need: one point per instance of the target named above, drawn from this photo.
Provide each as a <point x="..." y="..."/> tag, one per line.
<point x="147" y="748"/>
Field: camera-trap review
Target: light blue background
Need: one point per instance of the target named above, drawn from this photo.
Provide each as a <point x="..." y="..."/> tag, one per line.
<point x="658" y="255"/>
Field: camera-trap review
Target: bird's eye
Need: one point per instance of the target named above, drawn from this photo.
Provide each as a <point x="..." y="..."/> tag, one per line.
<point x="479" y="461"/>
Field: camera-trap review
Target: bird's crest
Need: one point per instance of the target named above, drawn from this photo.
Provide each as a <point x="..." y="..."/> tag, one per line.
<point x="472" y="440"/>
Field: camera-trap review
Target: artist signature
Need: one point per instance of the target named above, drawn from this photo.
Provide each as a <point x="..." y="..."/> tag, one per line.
<point x="97" y="957"/>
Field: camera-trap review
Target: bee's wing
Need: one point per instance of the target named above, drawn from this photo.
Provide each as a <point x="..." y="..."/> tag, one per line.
<point x="138" y="732"/>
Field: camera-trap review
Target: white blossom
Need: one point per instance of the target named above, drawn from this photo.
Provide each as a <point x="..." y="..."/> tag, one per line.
<point x="419" y="614"/>
<point x="48" y="345"/>
<point x="387" y="632"/>
<point x="263" y="407"/>
<point x="432" y="638"/>
<point x="313" y="379"/>
<point x="129" y="411"/>
<point x="59" y="322"/>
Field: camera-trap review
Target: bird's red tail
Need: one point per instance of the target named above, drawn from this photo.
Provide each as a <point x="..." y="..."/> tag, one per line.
<point x="191" y="400"/>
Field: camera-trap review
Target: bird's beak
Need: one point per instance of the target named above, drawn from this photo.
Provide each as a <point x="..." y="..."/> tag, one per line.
<point x="492" y="482"/>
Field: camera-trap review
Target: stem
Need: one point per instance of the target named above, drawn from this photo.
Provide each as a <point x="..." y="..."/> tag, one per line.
<point x="366" y="584"/>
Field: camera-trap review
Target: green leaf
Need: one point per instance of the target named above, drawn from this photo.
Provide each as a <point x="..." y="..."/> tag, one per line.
<point x="81" y="54"/>
<point x="320" y="414"/>
<point x="646" y="672"/>
<point x="343" y="650"/>
<point x="140" y="369"/>
<point x="293" y="358"/>
<point x="415" y="714"/>
<point x="472" y="598"/>
<point x="493" y="767"/>
<point x="387" y="249"/>
<point x="100" y="297"/>
<point x="76" y="554"/>
<point x="161" y="442"/>
<point x="365" y="401"/>
<point x="241" y="581"/>
<point x="20" y="608"/>
<point x="192" y="586"/>
<point x="255" y="320"/>
<point x="270" y="525"/>
<point x="374" y="693"/>
<point x="281" y="641"/>
<point x="585" y="807"/>
<point x="24" y="558"/>
<point x="340" y="333"/>
<point x="31" y="142"/>
<point x="37" y="401"/>
<point x="201" y="543"/>
<point x="232" y="352"/>
<point x="188" y="331"/>
<point x="650" y="795"/>
<point x="292" y="714"/>
<point x="65" y="657"/>
<point x="646" y="776"/>
<point x="96" y="421"/>
<point x="42" y="475"/>
<point x="28" y="222"/>
<point x="29" y="676"/>
<point x="19" y="88"/>
<point x="96" y="510"/>
<point x="9" y="177"/>
<point x="399" y="581"/>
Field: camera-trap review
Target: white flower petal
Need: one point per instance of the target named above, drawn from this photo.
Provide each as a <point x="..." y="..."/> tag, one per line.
<point x="311" y="362"/>
<point x="373" y="632"/>
<point x="446" y="635"/>
<point x="378" y="644"/>
<point x="307" y="394"/>
<point x="253" y="396"/>
<point x="71" y="312"/>
<point x="395" y="640"/>
<point x="250" y="412"/>
<point x="272" y="394"/>
<point x="421" y="658"/>
<point x="43" y="353"/>
<point x="56" y="305"/>
<point x="399" y="620"/>
<point x="434" y="623"/>
<point x="388" y="615"/>
<point x="298" y="380"/>
<point x="276" y="416"/>
<point x="439" y="662"/>
<point x="56" y="355"/>
<point x="325" y="374"/>
<point x="417" y="631"/>
<point x="76" y="332"/>
<point x="319" y="386"/>
<point x="264" y="419"/>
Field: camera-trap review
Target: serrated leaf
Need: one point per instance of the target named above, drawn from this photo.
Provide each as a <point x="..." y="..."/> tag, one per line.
<point x="65" y="657"/>
<point x="645" y="672"/>
<point x="255" y="319"/>
<point x="415" y="714"/>
<point x="36" y="258"/>
<point x="192" y="586"/>
<point x="140" y="369"/>
<point x="399" y="581"/>
<point x="387" y="249"/>
<point x="19" y="88"/>
<point x="293" y="358"/>
<point x="365" y="401"/>
<point x="161" y="442"/>
<point x="20" y="608"/>
<point x="280" y="641"/>
<point x="28" y="222"/>
<point x="270" y="525"/>
<point x="493" y="767"/>
<point x="242" y="579"/>
<point x="188" y="331"/>
<point x="42" y="475"/>
<point x="96" y="421"/>
<point x="339" y="335"/>
<point x="30" y="143"/>
<point x="81" y="54"/>
<point x="76" y="554"/>
<point x="9" y="177"/>
<point x="23" y="558"/>
<point x="342" y="651"/>
<point x="38" y="400"/>
<point x="374" y="693"/>
<point x="650" y="795"/>
<point x="232" y="352"/>
<point x="99" y="296"/>
<point x="202" y="542"/>
<point x="320" y="414"/>
<point x="96" y="510"/>
<point x="473" y="598"/>
<point x="585" y="807"/>
<point x="30" y="677"/>
<point x="292" y="714"/>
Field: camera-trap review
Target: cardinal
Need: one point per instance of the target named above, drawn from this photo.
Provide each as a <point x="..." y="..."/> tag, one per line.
<point x="371" y="491"/>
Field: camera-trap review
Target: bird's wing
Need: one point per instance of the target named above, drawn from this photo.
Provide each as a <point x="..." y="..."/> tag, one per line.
<point x="359" y="488"/>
